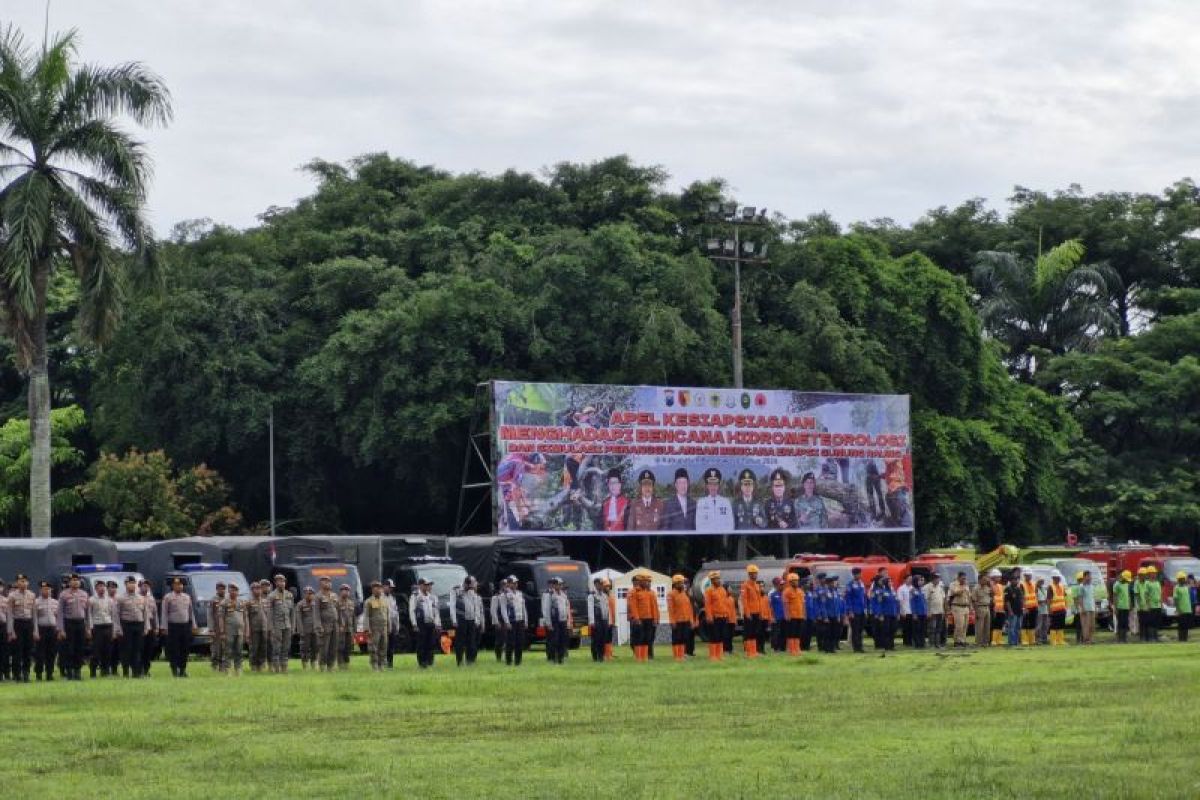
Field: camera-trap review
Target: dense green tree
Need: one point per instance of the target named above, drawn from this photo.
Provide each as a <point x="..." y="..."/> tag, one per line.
<point x="67" y="458"/>
<point x="72" y="193"/>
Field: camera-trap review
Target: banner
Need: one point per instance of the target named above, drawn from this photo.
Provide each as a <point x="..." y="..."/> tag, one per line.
<point x="579" y="459"/>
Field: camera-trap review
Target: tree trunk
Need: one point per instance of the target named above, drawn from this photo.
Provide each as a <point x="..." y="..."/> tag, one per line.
<point x="39" y="413"/>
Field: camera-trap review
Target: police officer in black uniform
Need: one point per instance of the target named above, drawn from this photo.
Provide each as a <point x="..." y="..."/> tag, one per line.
<point x="781" y="510"/>
<point x="748" y="511"/>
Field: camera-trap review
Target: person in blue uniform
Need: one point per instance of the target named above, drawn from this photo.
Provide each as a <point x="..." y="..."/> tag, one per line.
<point x="885" y="611"/>
<point x="856" y="608"/>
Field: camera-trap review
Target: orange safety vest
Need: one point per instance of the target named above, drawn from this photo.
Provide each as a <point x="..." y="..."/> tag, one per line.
<point x="679" y="607"/>
<point x="716" y="604"/>
<point x="1030" y="595"/>
<point x="1058" y="597"/>
<point x="997" y="598"/>
<point x="793" y="603"/>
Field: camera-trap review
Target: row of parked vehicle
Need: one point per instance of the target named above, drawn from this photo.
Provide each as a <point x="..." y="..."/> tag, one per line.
<point x="203" y="562"/>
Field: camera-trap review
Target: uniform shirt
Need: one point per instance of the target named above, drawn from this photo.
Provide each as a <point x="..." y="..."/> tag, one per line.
<point x="4" y="608"/>
<point x="512" y="607"/>
<point x="781" y="513"/>
<point x="919" y="607"/>
<point x="612" y="512"/>
<point x="753" y="602"/>
<point x="20" y="606"/>
<point x="1029" y="593"/>
<point x="748" y="514"/>
<point x="716" y="604"/>
<point x="151" y="611"/>
<point x="305" y="617"/>
<point x="233" y="615"/>
<point x="215" y="618"/>
<point x="345" y="614"/>
<point x="714" y="514"/>
<point x="177" y="609"/>
<point x="393" y="613"/>
<point x="1121" y="595"/>
<point x="642" y="605"/>
<point x="981" y="596"/>
<point x="556" y="608"/>
<point x="679" y="607"/>
<point x="598" y="609"/>
<point x="472" y="605"/>
<point x="776" y="600"/>
<point x="131" y="608"/>
<point x="327" y="608"/>
<point x="810" y="512"/>
<point x="424" y="607"/>
<point x="494" y="608"/>
<point x="959" y="595"/>
<point x="101" y="610"/>
<point x="1085" y="598"/>
<point x="281" y="609"/>
<point x="46" y="612"/>
<point x="794" y="603"/>
<point x="377" y="613"/>
<point x="883" y="602"/>
<point x="856" y="597"/>
<point x="1183" y="598"/>
<point x="73" y="605"/>
<point x="256" y="613"/>
<point x="904" y="598"/>
<point x="644" y="515"/>
<point x="935" y="598"/>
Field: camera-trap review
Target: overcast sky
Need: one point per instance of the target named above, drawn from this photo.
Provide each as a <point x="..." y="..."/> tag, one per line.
<point x="866" y="110"/>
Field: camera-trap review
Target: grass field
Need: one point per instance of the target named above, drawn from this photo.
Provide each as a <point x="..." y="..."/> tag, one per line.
<point x="1121" y="721"/>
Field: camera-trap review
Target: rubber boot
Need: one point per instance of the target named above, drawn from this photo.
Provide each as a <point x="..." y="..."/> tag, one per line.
<point x="751" y="648"/>
<point x="608" y="652"/>
<point x="996" y="637"/>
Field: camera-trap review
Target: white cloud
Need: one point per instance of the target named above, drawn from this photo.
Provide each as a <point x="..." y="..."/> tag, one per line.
<point x="866" y="109"/>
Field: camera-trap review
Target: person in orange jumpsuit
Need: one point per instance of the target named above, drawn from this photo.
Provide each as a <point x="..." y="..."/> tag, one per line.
<point x="643" y="607"/>
<point x="682" y="616"/>
<point x="718" y="610"/>
<point x="793" y="613"/>
<point x="753" y="618"/>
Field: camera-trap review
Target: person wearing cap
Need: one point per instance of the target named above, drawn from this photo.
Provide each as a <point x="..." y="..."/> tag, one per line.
<point x="556" y="619"/>
<point x="347" y="616"/>
<point x="150" y="644"/>
<point x="1181" y="594"/>
<point x="1041" y="634"/>
<point x="1057" y="606"/>
<point x="45" y="631"/>
<point x="499" y="633"/>
<point x="234" y="623"/>
<point x="717" y="607"/>
<point x="393" y="638"/>
<point x="426" y="620"/>
<point x="114" y="648"/>
<point x="216" y="618"/>
<point x="981" y="601"/>
<point x="642" y="609"/>
<point x="1029" y="610"/>
<point x="377" y="616"/>
<point x="885" y="610"/>
<point x="256" y="630"/>
<point x="100" y="611"/>
<point x="22" y="628"/>
<point x="779" y="508"/>
<point x="752" y="603"/>
<point x="1085" y="603"/>
<point x="855" y="598"/>
<point x="793" y="614"/>
<point x="177" y="626"/>
<point x="935" y="604"/>
<point x="1014" y="604"/>
<point x="306" y="621"/>
<point x="599" y="618"/>
<point x="682" y="616"/>
<point x="713" y="512"/>
<point x="133" y="621"/>
<point x="920" y="613"/>
<point x="330" y="635"/>
<point x="281" y="623"/>
<point x="810" y="507"/>
<point x="1122" y="604"/>
<point x="469" y="623"/>
<point x="646" y="512"/>
<point x="904" y="599"/>
<point x="74" y="627"/>
<point x="778" y="619"/>
<point x="958" y="598"/>
<point x="679" y="510"/>
<point x="514" y="618"/>
<point x="997" y="606"/>
<point x="615" y="506"/>
<point x="749" y="513"/>
<point x="1150" y="598"/>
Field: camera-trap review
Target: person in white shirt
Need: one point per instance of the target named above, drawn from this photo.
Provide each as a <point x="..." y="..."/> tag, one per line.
<point x="904" y="598"/>
<point x="713" y="512"/>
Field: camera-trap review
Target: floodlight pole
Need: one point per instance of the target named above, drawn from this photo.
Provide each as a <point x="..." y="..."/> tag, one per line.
<point x="736" y="321"/>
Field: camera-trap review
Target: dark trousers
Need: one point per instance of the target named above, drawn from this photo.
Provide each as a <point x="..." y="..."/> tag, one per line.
<point x="557" y="641"/>
<point x="599" y="633"/>
<point x="102" y="637"/>
<point x="856" y="633"/>
<point x="427" y="642"/>
<point x="22" y="648"/>
<point x="149" y="651"/>
<point x="132" y="635"/>
<point x="649" y="631"/>
<point x="514" y="643"/>
<point x="689" y="646"/>
<point x="179" y="643"/>
<point x="885" y="633"/>
<point x="46" y="652"/>
<point x="906" y="628"/>
<point x="806" y="634"/>
<point x="937" y="630"/>
<point x="719" y="631"/>
<point x="5" y="668"/>
<point x="919" y="626"/>
<point x="1185" y="625"/>
<point x="71" y="653"/>
<point x="500" y="635"/>
<point x="752" y="629"/>
<point x="466" y="642"/>
<point x="393" y="639"/>
<point x="1122" y="624"/>
<point x="777" y="637"/>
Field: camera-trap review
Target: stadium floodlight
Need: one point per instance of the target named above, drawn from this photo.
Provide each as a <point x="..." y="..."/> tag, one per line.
<point x="730" y="246"/>
<point x="713" y="244"/>
<point x="730" y="209"/>
<point x="748" y="213"/>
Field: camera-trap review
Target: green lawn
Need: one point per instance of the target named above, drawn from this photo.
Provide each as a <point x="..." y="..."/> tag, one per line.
<point x="1064" y="722"/>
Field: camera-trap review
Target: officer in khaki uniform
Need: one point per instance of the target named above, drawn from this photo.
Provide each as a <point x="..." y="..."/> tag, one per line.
<point x="74" y="627"/>
<point x="21" y="628"/>
<point x="133" y="620"/>
<point x="327" y="637"/>
<point x="257" y="627"/>
<point x="981" y="601"/>
<point x="234" y="623"/>
<point x="959" y="599"/>
<point x="308" y="627"/>
<point x="216" y="619"/>
<point x="346" y="625"/>
<point x="378" y="619"/>
<point x="281" y="619"/>
<point x="45" y="632"/>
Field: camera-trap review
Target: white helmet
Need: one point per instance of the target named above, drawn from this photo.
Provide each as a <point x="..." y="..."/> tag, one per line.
<point x="994" y="573"/>
<point x="1056" y="574"/>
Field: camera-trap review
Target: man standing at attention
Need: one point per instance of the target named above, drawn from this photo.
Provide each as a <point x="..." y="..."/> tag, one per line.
<point x="981" y="600"/>
<point x="177" y="624"/>
<point x="960" y="608"/>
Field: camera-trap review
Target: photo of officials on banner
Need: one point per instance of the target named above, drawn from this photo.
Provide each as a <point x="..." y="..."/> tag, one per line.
<point x="606" y="460"/>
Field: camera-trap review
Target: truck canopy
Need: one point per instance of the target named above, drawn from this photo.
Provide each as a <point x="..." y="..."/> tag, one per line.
<point x="256" y="557"/>
<point x="49" y="559"/>
<point x="156" y="559"/>
<point x="486" y="556"/>
<point x="364" y="552"/>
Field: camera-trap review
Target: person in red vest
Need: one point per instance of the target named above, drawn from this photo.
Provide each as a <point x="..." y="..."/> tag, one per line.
<point x="612" y="509"/>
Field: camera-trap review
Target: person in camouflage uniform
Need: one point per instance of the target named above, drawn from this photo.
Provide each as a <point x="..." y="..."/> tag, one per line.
<point x="257" y="627"/>
<point x="281" y="608"/>
<point x="234" y="622"/>
<point x="810" y="508"/>
<point x="346" y="625"/>
<point x="308" y="628"/>
<point x="216" y="647"/>
<point x="378" y="619"/>
<point x="327" y="637"/>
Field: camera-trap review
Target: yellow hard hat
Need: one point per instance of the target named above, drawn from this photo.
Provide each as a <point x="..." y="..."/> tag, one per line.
<point x="677" y="579"/>
<point x="1125" y="575"/>
<point x="793" y="577"/>
<point x="752" y="568"/>
<point x="1151" y="570"/>
<point x="1181" y="576"/>
<point x="712" y="576"/>
<point x="1079" y="575"/>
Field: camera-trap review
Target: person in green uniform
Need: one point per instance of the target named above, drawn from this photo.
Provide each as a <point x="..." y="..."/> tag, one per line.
<point x="1123" y="604"/>
<point x="1183" y="605"/>
<point x="1150" y="598"/>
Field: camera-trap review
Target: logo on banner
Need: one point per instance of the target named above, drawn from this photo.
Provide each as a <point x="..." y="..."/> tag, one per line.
<point x="669" y="397"/>
<point x="745" y="399"/>
<point x="760" y="399"/>
<point x="715" y="400"/>
<point x="684" y="397"/>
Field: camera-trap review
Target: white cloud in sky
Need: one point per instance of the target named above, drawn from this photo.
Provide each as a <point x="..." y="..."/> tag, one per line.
<point x="863" y="109"/>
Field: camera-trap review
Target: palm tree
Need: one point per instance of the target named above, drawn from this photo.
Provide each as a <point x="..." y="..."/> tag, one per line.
<point x="72" y="189"/>
<point x="1046" y="307"/>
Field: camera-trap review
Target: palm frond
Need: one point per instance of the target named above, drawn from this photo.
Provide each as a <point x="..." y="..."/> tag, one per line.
<point x="25" y="207"/>
<point x="130" y="89"/>
<point x="116" y="155"/>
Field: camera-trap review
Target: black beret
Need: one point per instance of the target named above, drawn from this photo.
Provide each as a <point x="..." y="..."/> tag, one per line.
<point x="681" y="473"/>
<point x="613" y="473"/>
